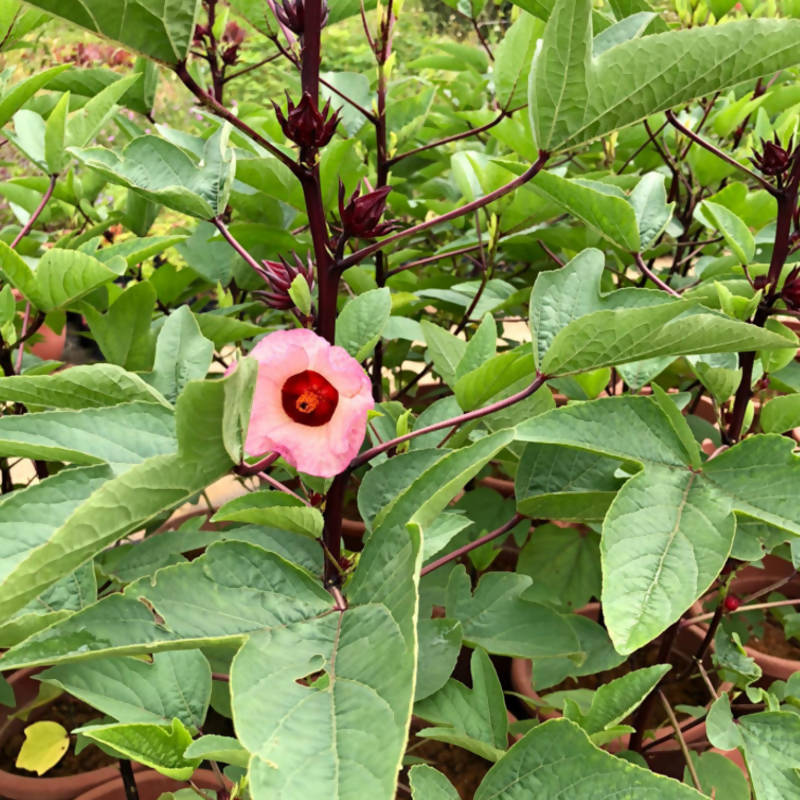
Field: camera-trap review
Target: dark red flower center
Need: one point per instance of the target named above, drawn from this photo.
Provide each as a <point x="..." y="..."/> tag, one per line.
<point x="308" y="398"/>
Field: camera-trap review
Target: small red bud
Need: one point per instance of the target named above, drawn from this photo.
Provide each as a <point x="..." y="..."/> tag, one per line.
<point x="790" y="294"/>
<point x="773" y="158"/>
<point x="731" y="602"/>
<point x="233" y="33"/>
<point x="305" y="124"/>
<point x="361" y="215"/>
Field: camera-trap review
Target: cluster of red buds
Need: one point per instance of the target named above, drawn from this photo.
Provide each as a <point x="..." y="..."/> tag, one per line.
<point x="280" y="275"/>
<point x="774" y="159"/>
<point x="790" y="294"/>
<point x="291" y="14"/>
<point x="232" y="37"/>
<point x="361" y="215"/>
<point x="305" y="124"/>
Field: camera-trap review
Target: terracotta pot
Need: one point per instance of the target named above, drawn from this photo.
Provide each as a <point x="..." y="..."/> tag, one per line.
<point x="150" y="785"/>
<point x="23" y="787"/>
<point x="49" y="344"/>
<point x="751" y="580"/>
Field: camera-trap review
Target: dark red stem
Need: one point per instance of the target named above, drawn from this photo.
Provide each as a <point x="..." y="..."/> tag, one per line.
<point x="488" y="537"/>
<point x="537" y="383"/>
<point x="332" y="530"/>
<point x="467" y="208"/>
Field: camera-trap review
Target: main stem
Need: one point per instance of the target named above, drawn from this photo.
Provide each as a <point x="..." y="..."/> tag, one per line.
<point x="787" y="203"/>
<point x="383" y="166"/>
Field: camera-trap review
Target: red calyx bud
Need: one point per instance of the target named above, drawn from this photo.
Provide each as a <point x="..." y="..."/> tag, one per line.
<point x="233" y="33"/>
<point x="200" y="32"/>
<point x="731" y="602"/>
<point x="790" y="294"/>
<point x="773" y="159"/>
<point x="291" y="14"/>
<point x="361" y="215"/>
<point x="280" y="275"/>
<point x="230" y="54"/>
<point x="760" y="282"/>
<point x="305" y="124"/>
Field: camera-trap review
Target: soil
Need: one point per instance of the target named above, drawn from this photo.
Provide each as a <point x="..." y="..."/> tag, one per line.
<point x="689" y="691"/>
<point x="774" y="642"/>
<point x="70" y="713"/>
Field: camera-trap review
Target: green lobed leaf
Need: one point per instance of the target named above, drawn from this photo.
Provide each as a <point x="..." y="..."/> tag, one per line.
<point x="608" y="214"/>
<point x="497" y="617"/>
<point x="557" y="758"/>
<point x="555" y="482"/>
<point x="444" y="349"/>
<point x="290" y="630"/>
<point x="85" y="123"/>
<point x="175" y="685"/>
<point x="606" y="338"/>
<point x="780" y="414"/>
<point x="439" y="645"/>
<point x="772" y="752"/>
<point x="61" y="277"/>
<point x="126" y="502"/>
<point x="665" y="538"/>
<point x="361" y="322"/>
<point x="513" y="58"/>
<point x="157" y="746"/>
<point x="162" y="31"/>
<point x="123" y="333"/>
<point x="213" y="747"/>
<point x="642" y="430"/>
<point x="760" y="476"/>
<point x="121" y="435"/>
<point x="428" y="783"/>
<point x="82" y="386"/>
<point x="615" y="700"/>
<point x="182" y="354"/>
<point x="12" y="100"/>
<point x="275" y="509"/>
<point x="736" y="234"/>
<point x="72" y="593"/>
<point x="163" y="172"/>
<point x="564" y="564"/>
<point x="574" y="98"/>
<point x="473" y="718"/>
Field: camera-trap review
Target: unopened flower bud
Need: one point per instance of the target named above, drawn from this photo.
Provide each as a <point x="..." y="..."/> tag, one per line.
<point x="230" y="54"/>
<point x="281" y="275"/>
<point x="790" y="294"/>
<point x="305" y="124"/>
<point x="234" y="34"/>
<point x="200" y="32"/>
<point x="361" y="215"/>
<point x="291" y="14"/>
<point x="773" y="159"/>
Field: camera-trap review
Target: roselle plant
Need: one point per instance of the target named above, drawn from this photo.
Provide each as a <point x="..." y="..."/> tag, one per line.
<point x="471" y="332"/>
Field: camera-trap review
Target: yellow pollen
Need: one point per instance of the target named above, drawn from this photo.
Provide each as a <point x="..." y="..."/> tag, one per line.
<point x="307" y="402"/>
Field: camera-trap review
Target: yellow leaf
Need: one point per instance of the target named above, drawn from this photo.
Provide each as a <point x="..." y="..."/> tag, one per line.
<point x="45" y="743"/>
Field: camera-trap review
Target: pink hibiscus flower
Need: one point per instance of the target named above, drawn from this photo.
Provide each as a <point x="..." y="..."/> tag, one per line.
<point x="310" y="404"/>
